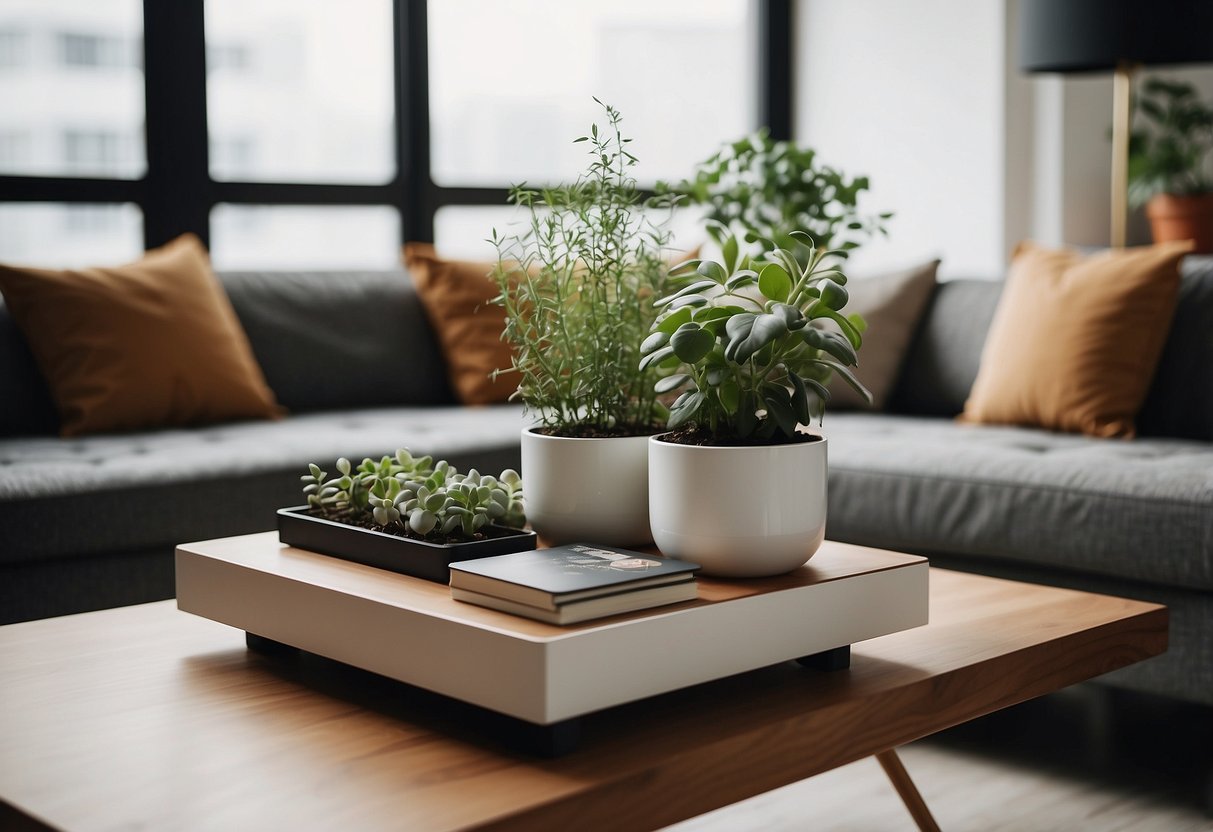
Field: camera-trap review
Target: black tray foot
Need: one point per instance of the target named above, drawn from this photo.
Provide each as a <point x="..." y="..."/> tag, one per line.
<point x="267" y="646"/>
<point x="829" y="660"/>
<point x="549" y="741"/>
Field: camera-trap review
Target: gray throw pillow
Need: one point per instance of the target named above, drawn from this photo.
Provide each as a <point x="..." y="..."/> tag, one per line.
<point x="892" y="304"/>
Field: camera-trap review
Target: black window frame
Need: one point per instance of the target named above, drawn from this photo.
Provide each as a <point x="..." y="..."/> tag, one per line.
<point x="176" y="193"/>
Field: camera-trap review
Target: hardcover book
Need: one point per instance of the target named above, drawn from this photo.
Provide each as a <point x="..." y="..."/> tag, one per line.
<point x="685" y="589"/>
<point x="549" y="578"/>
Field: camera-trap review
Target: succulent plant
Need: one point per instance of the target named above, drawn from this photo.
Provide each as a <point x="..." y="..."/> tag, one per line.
<point x="430" y="499"/>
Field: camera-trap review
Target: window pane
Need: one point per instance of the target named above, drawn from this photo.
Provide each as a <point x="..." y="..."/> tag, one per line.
<point x="60" y="235"/>
<point x="300" y="90"/>
<point x="304" y="237"/>
<point x="508" y="95"/>
<point x="462" y="232"/>
<point x="71" y="88"/>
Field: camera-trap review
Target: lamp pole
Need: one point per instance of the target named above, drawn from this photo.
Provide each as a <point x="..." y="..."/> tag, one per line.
<point x="1122" y="91"/>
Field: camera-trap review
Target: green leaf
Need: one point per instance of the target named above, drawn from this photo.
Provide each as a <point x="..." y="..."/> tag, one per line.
<point x="712" y="271"/>
<point x="800" y="399"/>
<point x="689" y="300"/>
<point x="669" y="383"/>
<point x="672" y="321"/>
<point x="686" y="406"/>
<point x="729" y="251"/>
<point x="656" y="340"/>
<point x="774" y="282"/>
<point x="746" y="419"/>
<point x="691" y="343"/>
<point x="848" y="377"/>
<point x="792" y="317"/>
<point x="779" y="408"/>
<point x="655" y="358"/>
<point x="832" y="343"/>
<point x="820" y="310"/>
<point x="697" y="286"/>
<point x="729" y="395"/>
<point x="741" y="278"/>
<point x="749" y="336"/>
<point x="833" y="295"/>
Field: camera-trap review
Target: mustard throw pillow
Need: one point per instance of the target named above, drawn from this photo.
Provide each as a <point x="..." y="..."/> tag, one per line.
<point x="1075" y="339"/>
<point x="154" y="343"/>
<point x="457" y="296"/>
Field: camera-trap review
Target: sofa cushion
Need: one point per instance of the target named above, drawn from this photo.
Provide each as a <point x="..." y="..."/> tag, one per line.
<point x="891" y="305"/>
<point x="28" y="408"/>
<point x="1076" y="338"/>
<point x="341" y="339"/>
<point x="1180" y="401"/>
<point x="458" y="299"/>
<point x="1140" y="509"/>
<point x="149" y="344"/>
<point x="122" y="493"/>
<point x="942" y="362"/>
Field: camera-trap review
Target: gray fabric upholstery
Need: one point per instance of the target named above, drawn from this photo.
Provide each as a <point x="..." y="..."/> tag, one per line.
<point x="338" y="340"/>
<point x="1180" y="401"/>
<point x="942" y="363"/>
<point x="136" y="491"/>
<point x="26" y="407"/>
<point x="1141" y="509"/>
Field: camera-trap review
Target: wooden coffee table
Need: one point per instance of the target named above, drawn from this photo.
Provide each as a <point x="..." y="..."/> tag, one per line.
<point x="145" y="717"/>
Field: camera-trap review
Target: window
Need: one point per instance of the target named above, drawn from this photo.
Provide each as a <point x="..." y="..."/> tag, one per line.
<point x="94" y="50"/>
<point x="77" y="106"/>
<point x="66" y="235"/>
<point x="680" y="71"/>
<point x="319" y="105"/>
<point x="305" y="237"/>
<point x="13" y="49"/>
<point x="309" y="133"/>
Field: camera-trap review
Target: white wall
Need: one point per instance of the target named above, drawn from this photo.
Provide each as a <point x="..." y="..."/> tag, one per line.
<point x="927" y="99"/>
<point x="910" y="93"/>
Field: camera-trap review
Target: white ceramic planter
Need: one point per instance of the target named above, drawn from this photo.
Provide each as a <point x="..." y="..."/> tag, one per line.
<point x="738" y="512"/>
<point x="587" y="490"/>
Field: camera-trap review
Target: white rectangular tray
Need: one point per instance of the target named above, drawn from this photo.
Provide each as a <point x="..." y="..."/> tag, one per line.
<point x="413" y="631"/>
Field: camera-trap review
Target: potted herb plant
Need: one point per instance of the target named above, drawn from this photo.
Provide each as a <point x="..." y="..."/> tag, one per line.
<point x="1168" y="171"/>
<point x="767" y="189"/>
<point x="736" y="485"/>
<point x="408" y="514"/>
<point x="577" y="284"/>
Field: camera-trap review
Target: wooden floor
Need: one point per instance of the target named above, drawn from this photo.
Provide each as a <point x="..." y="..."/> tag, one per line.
<point x="1080" y="760"/>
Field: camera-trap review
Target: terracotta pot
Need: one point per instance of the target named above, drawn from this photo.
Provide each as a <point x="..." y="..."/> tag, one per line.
<point x="1182" y="218"/>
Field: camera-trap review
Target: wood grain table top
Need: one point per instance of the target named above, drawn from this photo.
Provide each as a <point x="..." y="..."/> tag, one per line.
<point x="147" y="717"/>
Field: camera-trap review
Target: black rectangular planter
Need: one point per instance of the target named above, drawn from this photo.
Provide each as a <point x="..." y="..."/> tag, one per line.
<point x="418" y="558"/>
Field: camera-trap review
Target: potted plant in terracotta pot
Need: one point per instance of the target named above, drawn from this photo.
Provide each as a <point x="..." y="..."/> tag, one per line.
<point x="577" y="284"/>
<point x="738" y="485"/>
<point x="1168" y="170"/>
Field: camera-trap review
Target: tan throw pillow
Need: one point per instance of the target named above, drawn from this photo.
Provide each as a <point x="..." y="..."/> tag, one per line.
<point x="1075" y="339"/>
<point x="891" y="304"/>
<point x="457" y="296"/>
<point x="154" y="343"/>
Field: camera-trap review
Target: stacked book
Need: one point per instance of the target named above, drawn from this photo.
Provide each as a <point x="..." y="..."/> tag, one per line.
<point x="567" y="584"/>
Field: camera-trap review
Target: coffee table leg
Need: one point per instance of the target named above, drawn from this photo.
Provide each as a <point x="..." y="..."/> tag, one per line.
<point x="837" y="659"/>
<point x="906" y="789"/>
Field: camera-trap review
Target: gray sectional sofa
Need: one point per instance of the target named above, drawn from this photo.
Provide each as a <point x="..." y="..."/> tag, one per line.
<point x="91" y="523"/>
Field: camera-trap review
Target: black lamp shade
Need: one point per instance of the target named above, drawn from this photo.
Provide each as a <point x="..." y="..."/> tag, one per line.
<point x="1094" y="35"/>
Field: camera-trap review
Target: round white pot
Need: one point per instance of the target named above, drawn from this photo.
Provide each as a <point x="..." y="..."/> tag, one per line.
<point x="587" y="490"/>
<point x="740" y="512"/>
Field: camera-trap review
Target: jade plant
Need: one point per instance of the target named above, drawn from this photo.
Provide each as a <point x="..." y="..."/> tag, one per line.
<point x="416" y="496"/>
<point x="577" y="284"/>
<point x="765" y="190"/>
<point x="750" y="344"/>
